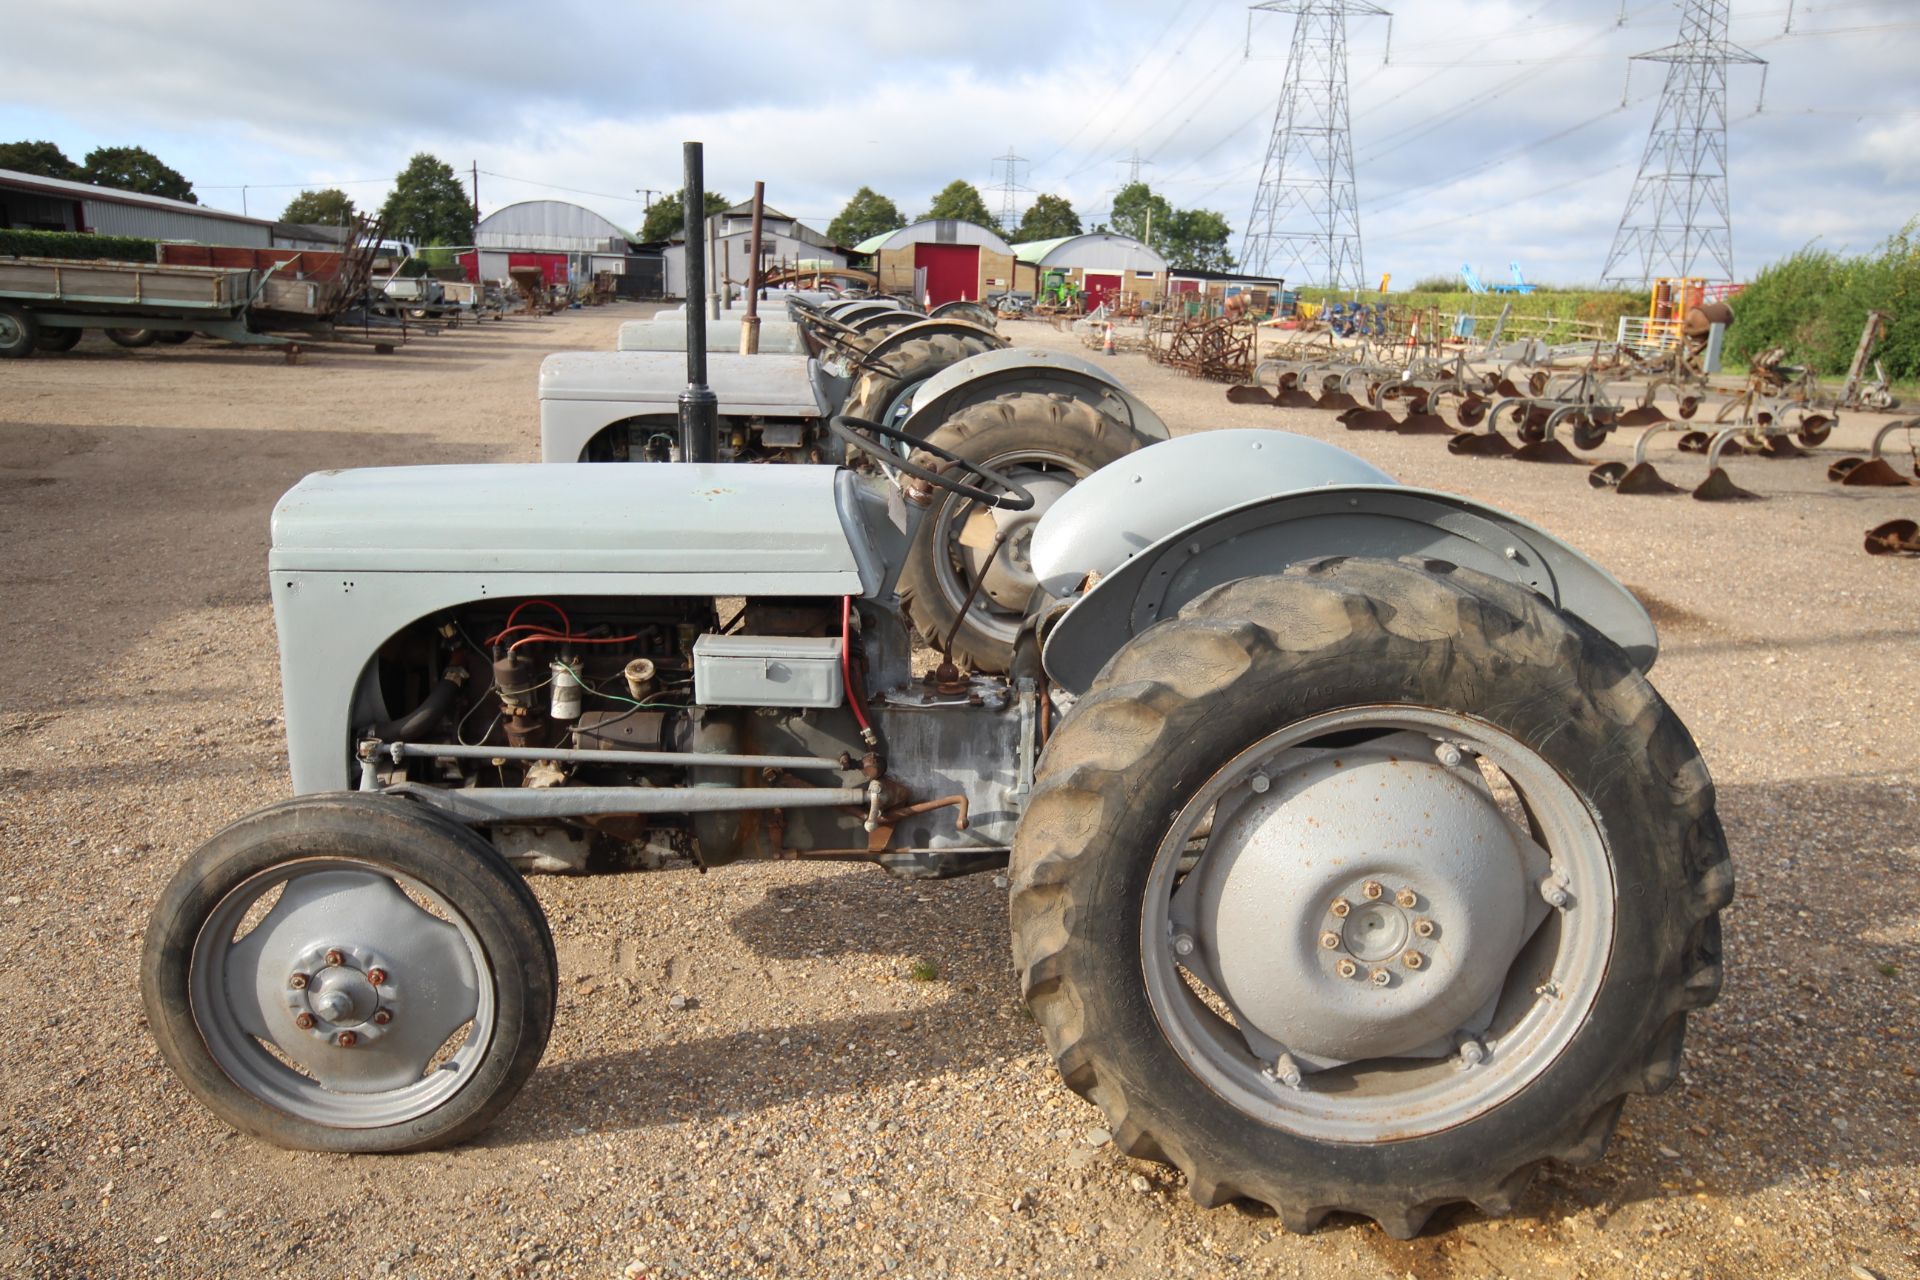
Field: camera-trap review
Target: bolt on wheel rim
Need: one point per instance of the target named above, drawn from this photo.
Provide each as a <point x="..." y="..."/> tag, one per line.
<point x="1349" y="978"/>
<point x="342" y="1004"/>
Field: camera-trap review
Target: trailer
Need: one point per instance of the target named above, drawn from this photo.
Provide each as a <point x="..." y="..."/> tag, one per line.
<point x="46" y="303"/>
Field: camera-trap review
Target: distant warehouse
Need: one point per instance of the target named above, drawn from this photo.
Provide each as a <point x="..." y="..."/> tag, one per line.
<point x="29" y="202"/>
<point x="565" y="241"/>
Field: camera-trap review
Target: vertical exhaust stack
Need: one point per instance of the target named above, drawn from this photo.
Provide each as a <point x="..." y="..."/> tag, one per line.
<point x="699" y="407"/>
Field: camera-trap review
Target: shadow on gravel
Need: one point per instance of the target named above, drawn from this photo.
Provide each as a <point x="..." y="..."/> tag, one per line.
<point x="868" y="912"/>
<point x="747" y="1071"/>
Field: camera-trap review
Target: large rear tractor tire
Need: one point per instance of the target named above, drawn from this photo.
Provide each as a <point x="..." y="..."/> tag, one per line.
<point x="19" y="332"/>
<point x="1046" y="443"/>
<point x="879" y="398"/>
<point x="350" y="973"/>
<point x="1368" y="888"/>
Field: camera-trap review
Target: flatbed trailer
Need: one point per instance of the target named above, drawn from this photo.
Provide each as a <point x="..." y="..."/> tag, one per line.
<point x="45" y="303"/>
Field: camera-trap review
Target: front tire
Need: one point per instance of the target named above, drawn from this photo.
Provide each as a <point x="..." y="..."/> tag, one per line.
<point x="350" y="973"/>
<point x="1247" y="785"/>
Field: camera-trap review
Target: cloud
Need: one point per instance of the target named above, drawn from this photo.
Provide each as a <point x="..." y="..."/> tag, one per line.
<point x="1464" y="141"/>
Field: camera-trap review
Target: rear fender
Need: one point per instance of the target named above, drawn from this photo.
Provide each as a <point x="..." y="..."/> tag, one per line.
<point x="1265" y="536"/>
<point x="990" y="374"/>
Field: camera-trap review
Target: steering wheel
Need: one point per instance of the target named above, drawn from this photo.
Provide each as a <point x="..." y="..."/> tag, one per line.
<point x="861" y="433"/>
<point x="855" y="354"/>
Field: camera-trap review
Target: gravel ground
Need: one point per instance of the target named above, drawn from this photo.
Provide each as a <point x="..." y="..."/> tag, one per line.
<point x="813" y="1109"/>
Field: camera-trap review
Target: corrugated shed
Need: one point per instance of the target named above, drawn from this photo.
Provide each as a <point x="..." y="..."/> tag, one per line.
<point x="550" y="226"/>
<point x="1094" y="251"/>
<point x="935" y="231"/>
<point x="110" y="218"/>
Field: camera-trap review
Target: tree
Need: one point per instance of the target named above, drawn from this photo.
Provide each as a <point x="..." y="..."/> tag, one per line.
<point x="1048" y="217"/>
<point x="327" y="207"/>
<point x="428" y="205"/>
<point x="1195" y="238"/>
<point x="136" y="169"/>
<point x="666" y="217"/>
<point x="866" y="215"/>
<point x="961" y="201"/>
<point x="42" y="159"/>
<point x="1139" y="213"/>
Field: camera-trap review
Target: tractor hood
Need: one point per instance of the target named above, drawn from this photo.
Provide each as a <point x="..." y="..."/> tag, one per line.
<point x="768" y="385"/>
<point x="702" y="525"/>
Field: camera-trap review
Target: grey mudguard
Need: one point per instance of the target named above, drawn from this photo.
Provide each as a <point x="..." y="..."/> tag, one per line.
<point x="358" y="555"/>
<point x="980" y="378"/>
<point x="1263" y="535"/>
<point x="584" y="392"/>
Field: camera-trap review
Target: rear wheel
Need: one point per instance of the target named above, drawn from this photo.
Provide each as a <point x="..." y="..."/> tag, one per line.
<point x="18" y="332"/>
<point x="132" y="338"/>
<point x="174" y="337"/>
<point x="879" y="398"/>
<point x="350" y="973"/>
<point x="54" y="341"/>
<point x="1046" y="444"/>
<point x="1368" y="888"/>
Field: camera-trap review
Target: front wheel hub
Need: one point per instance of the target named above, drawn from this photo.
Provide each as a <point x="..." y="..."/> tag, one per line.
<point x="1364" y="904"/>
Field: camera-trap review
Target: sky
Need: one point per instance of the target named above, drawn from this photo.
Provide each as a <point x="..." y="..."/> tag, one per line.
<point x="1485" y="132"/>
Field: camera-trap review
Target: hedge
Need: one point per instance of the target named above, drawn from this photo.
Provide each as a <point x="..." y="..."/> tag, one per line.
<point x="1815" y="302"/>
<point x="77" y="244"/>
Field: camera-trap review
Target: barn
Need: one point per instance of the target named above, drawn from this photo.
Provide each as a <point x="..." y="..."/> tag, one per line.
<point x="1105" y="266"/>
<point x="941" y="260"/>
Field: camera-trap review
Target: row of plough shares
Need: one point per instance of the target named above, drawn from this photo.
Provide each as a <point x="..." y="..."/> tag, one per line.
<point x="1550" y="398"/>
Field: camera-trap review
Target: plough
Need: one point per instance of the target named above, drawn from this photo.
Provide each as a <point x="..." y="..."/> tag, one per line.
<point x="1874" y="471"/>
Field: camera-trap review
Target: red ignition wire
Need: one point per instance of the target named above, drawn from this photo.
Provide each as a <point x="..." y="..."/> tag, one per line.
<point x="846" y="662"/>
<point x="565" y="621"/>
<point x="569" y="638"/>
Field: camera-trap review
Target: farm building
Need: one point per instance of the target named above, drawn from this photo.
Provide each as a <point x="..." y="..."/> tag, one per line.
<point x="941" y="260"/>
<point x="783" y="241"/>
<point x="1101" y="264"/>
<point x="566" y="241"/>
<point x="1207" y="291"/>
<point x="32" y="203"/>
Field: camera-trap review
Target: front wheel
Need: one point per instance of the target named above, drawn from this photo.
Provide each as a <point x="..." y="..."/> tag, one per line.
<point x="350" y="973"/>
<point x="1368" y="888"/>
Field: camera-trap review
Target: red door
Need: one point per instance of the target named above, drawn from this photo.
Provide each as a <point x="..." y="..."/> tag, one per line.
<point x="552" y="265"/>
<point x="953" y="272"/>
<point x="1099" y="287"/>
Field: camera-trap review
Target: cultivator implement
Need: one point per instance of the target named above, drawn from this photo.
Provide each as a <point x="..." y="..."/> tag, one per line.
<point x="1874" y="471"/>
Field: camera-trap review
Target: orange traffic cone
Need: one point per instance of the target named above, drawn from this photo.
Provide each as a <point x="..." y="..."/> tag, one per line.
<point x="1106" y="346"/>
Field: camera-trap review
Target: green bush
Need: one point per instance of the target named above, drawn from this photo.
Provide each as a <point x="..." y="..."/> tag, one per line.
<point x="1814" y="303"/>
<point x="77" y="244"/>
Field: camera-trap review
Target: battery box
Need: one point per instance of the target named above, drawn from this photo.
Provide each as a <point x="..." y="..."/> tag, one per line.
<point x="767" y="671"/>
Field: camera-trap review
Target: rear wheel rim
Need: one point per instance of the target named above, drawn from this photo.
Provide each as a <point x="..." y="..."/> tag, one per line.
<point x="383" y="985"/>
<point x="1545" y="990"/>
<point x="952" y="570"/>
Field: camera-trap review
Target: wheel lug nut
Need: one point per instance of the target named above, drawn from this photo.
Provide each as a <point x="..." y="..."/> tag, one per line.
<point x="1448" y="754"/>
<point x="1380" y="977"/>
<point x="1372" y="889"/>
<point x="346" y="1039"/>
<point x="1413" y="959"/>
<point x="1423" y="927"/>
<point x="1329" y="940"/>
<point x="1472" y="1053"/>
<point x="304" y="1021"/>
<point x="381" y="1017"/>
<point x="298" y="982"/>
<point x="1340" y="907"/>
<point x="1182" y="945"/>
<point x="1259" y="783"/>
<point x="335" y="958"/>
<point x="1406" y="898"/>
<point x="1346" y="968"/>
<point x="377" y="976"/>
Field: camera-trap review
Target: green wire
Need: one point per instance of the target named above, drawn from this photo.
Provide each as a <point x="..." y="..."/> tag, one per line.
<point x="614" y="697"/>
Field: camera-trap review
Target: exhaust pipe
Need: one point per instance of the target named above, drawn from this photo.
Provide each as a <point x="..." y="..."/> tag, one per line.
<point x="699" y="407"/>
